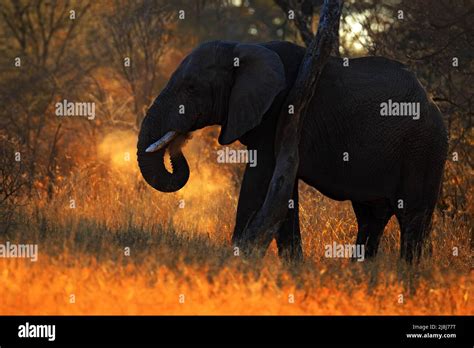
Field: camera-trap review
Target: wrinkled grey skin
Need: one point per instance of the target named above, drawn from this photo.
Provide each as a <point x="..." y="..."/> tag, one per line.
<point x="390" y="158"/>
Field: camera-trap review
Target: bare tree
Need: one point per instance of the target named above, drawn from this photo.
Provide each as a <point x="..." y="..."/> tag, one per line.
<point x="140" y="31"/>
<point x="303" y="11"/>
<point x="12" y="180"/>
<point x="40" y="39"/>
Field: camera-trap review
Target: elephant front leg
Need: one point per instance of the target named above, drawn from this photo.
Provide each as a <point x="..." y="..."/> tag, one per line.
<point x="252" y="195"/>
<point x="289" y="237"/>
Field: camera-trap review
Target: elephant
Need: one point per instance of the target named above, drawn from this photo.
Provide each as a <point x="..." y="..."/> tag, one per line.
<point x="370" y="135"/>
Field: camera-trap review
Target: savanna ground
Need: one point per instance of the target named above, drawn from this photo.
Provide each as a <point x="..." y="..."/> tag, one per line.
<point x="177" y="251"/>
<point x="72" y="185"/>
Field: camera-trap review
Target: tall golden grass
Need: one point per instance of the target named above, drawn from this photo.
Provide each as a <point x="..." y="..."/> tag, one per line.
<point x="181" y="261"/>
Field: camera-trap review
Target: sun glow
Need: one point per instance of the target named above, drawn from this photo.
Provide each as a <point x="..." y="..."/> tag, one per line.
<point x="119" y="148"/>
<point x="353" y="34"/>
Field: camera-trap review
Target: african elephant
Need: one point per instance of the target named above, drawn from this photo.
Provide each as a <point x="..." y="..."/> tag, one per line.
<point x="353" y="145"/>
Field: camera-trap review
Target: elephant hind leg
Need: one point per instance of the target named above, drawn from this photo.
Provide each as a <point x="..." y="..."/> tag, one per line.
<point x="414" y="229"/>
<point x="416" y="202"/>
<point x="371" y="221"/>
<point x="288" y="238"/>
<point x="414" y="215"/>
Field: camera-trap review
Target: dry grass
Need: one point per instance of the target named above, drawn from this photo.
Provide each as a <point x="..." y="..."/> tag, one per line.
<point x="185" y="251"/>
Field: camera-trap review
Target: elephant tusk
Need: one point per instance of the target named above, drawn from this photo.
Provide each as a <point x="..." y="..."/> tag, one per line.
<point x="162" y="142"/>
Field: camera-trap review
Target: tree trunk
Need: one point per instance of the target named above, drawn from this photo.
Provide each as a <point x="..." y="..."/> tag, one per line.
<point x="263" y="225"/>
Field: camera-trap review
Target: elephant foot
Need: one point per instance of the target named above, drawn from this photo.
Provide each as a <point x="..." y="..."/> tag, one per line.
<point x="290" y="255"/>
<point x="248" y="250"/>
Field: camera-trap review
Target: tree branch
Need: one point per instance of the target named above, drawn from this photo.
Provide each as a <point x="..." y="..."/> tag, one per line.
<point x="303" y="17"/>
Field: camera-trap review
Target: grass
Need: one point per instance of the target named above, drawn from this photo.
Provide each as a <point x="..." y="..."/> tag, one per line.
<point x="186" y="251"/>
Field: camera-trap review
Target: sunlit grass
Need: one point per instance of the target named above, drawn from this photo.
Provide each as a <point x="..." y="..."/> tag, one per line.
<point x="186" y="251"/>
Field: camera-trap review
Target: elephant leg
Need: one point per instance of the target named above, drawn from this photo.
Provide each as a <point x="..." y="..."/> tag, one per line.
<point x="371" y="222"/>
<point x="253" y="192"/>
<point x="418" y="192"/>
<point x="288" y="238"/>
<point x="414" y="228"/>
<point x="252" y="195"/>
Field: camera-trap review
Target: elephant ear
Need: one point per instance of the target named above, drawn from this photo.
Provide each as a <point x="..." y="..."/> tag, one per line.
<point x="258" y="79"/>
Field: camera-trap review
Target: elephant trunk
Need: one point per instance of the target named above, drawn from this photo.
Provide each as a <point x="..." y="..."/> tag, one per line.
<point x="154" y="172"/>
<point x="151" y="154"/>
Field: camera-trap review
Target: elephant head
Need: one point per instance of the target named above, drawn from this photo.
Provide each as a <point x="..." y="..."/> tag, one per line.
<point x="218" y="83"/>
